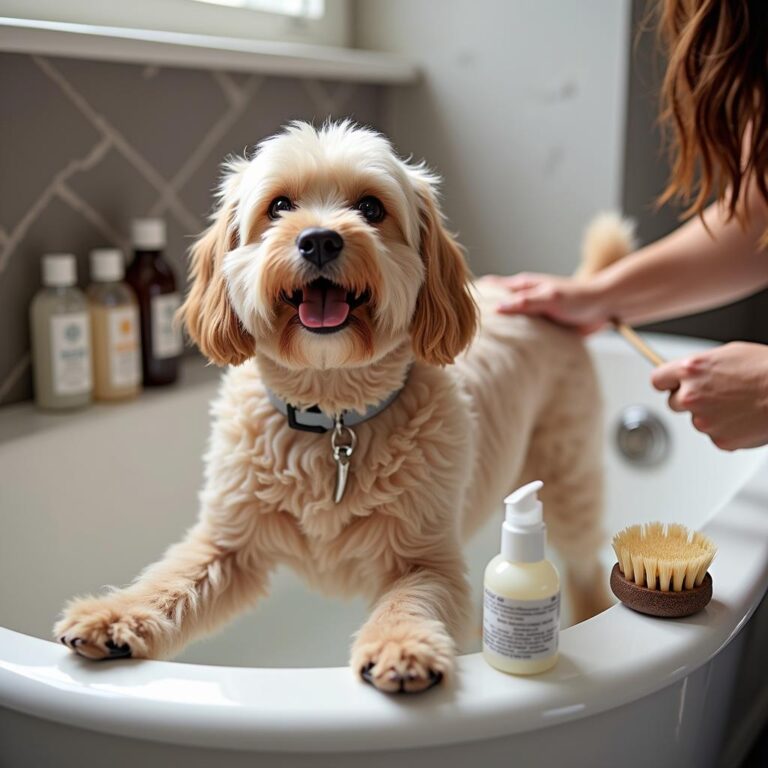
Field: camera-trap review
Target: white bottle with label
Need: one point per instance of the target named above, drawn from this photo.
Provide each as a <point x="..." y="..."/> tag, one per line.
<point x="115" y="328"/>
<point x="61" y="337"/>
<point x="521" y="600"/>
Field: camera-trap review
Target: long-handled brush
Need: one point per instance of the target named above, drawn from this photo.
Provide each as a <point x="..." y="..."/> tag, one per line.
<point x="607" y="239"/>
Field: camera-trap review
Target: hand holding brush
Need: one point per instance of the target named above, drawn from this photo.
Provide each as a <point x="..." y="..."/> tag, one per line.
<point x="704" y="263"/>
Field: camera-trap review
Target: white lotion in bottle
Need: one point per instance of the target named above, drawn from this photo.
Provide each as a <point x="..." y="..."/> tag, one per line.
<point x="521" y="596"/>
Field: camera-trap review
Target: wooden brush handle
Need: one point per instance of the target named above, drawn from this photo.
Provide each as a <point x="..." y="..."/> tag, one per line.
<point x="631" y="336"/>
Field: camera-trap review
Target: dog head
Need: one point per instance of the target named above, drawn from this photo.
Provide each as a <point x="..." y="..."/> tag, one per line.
<point x="326" y="250"/>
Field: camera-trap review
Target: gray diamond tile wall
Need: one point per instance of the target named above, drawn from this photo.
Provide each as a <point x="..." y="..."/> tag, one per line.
<point x="41" y="133"/>
<point x="149" y="106"/>
<point x="87" y="146"/>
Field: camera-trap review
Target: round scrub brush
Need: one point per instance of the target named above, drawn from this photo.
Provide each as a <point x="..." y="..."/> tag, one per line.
<point x="662" y="569"/>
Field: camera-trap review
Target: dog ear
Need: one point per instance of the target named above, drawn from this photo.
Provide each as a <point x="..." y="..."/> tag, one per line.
<point x="207" y="312"/>
<point x="446" y="316"/>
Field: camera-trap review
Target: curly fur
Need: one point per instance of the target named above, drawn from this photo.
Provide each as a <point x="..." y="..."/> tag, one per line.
<point x="519" y="400"/>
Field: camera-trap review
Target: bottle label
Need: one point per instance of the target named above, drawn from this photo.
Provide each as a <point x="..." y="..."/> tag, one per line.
<point x="71" y="353"/>
<point x="521" y="629"/>
<point x="166" y="337"/>
<point x="124" y="359"/>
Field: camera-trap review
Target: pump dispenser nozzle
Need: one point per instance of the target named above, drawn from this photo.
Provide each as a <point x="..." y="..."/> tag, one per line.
<point x="523" y="506"/>
<point x="522" y="534"/>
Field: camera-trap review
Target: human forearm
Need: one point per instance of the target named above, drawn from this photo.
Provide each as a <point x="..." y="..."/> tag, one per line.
<point x="689" y="270"/>
<point x="702" y="264"/>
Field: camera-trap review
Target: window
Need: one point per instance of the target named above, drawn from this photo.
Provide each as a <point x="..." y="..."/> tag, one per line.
<point x="308" y="9"/>
<point x="320" y="22"/>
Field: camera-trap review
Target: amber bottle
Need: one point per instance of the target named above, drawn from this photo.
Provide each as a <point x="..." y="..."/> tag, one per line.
<point x="114" y="328"/>
<point x="154" y="284"/>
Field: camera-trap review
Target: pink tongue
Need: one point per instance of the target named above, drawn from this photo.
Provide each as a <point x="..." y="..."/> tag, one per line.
<point x="323" y="308"/>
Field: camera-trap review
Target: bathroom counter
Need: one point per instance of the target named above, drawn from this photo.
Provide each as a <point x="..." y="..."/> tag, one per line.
<point x="25" y="419"/>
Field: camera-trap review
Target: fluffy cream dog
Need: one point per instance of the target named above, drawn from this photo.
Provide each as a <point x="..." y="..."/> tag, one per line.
<point x="328" y="277"/>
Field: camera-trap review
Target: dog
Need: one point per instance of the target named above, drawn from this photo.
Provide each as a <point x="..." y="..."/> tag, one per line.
<point x="374" y="412"/>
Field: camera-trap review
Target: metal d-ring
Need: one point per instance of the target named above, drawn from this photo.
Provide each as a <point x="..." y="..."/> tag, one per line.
<point x="338" y="441"/>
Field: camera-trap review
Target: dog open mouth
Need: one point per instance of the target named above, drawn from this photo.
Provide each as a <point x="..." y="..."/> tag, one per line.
<point x="324" y="306"/>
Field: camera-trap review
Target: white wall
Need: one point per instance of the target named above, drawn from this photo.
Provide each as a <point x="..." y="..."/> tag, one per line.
<point x="521" y="110"/>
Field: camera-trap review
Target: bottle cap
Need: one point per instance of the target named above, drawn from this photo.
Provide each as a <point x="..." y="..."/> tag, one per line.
<point x="148" y="234"/>
<point x="523" y="530"/>
<point x="59" y="270"/>
<point x="523" y="506"/>
<point x="107" y="265"/>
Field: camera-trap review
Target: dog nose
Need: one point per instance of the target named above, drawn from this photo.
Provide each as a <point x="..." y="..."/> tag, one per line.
<point x="319" y="245"/>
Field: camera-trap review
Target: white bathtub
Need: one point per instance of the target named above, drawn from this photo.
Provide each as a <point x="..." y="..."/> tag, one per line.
<point x="87" y="499"/>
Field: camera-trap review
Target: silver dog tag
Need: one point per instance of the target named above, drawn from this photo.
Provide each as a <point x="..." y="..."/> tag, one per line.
<point x="343" y="441"/>
<point x="341" y="457"/>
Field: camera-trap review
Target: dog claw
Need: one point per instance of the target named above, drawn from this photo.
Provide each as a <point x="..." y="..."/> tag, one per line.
<point x="117" y="651"/>
<point x="434" y="679"/>
<point x="365" y="673"/>
<point x="114" y="651"/>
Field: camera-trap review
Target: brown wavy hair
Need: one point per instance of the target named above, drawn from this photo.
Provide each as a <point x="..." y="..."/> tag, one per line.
<point x="715" y="100"/>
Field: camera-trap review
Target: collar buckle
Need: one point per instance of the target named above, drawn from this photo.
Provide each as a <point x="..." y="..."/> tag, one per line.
<point x="294" y="423"/>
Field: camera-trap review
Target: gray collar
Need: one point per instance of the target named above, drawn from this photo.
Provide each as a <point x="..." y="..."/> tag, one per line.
<point x="315" y="420"/>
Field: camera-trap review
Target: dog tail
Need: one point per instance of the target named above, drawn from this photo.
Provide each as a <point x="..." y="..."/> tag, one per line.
<point x="607" y="239"/>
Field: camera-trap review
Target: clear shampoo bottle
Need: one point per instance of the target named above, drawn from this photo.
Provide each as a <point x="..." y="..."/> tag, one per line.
<point x="61" y="337"/>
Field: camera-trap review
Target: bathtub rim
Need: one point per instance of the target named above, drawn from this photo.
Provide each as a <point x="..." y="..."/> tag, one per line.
<point x="611" y="660"/>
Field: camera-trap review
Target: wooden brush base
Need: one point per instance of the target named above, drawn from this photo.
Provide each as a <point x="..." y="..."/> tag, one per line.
<point x="654" y="602"/>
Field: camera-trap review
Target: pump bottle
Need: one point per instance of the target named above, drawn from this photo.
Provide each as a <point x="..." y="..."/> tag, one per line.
<point x="521" y="600"/>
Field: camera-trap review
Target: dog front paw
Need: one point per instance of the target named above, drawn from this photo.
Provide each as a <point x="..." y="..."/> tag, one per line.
<point x="111" y="627"/>
<point x="406" y="657"/>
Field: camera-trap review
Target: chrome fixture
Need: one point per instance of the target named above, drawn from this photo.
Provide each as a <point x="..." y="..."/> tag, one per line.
<point x="641" y="436"/>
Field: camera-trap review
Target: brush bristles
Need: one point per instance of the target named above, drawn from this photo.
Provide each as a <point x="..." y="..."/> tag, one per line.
<point x="664" y="557"/>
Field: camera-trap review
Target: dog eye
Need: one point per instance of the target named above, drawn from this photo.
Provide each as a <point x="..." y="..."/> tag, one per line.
<point x="371" y="208"/>
<point x="279" y="205"/>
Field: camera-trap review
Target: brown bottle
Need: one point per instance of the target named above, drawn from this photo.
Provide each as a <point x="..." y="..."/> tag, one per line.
<point x="154" y="284"/>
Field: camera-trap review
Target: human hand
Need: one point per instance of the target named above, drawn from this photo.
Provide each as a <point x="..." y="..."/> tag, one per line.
<point x="565" y="300"/>
<point x="725" y="390"/>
